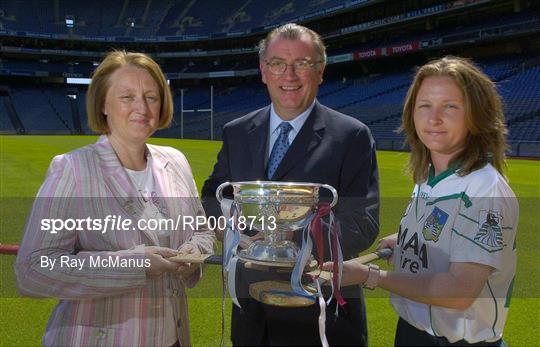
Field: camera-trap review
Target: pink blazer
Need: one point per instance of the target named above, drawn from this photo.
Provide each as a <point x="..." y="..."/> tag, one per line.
<point x="102" y="304"/>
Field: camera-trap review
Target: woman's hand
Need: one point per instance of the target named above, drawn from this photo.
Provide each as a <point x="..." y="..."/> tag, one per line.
<point x="158" y="262"/>
<point x="353" y="273"/>
<point x="219" y="232"/>
<point x="187" y="269"/>
<point x="389" y="241"/>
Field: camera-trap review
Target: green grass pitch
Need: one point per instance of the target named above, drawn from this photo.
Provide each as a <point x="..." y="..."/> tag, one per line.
<point x="23" y="163"/>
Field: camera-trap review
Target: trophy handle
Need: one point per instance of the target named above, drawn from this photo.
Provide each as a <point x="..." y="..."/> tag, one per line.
<point x="334" y="194"/>
<point x="219" y="191"/>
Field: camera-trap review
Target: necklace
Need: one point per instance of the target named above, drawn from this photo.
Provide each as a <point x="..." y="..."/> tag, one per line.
<point x="141" y="180"/>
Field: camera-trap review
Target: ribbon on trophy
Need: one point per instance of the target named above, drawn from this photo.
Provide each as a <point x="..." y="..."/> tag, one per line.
<point x="294" y="206"/>
<point x="313" y="232"/>
<point x="304" y="256"/>
<point x="231" y="241"/>
<point x="299" y="203"/>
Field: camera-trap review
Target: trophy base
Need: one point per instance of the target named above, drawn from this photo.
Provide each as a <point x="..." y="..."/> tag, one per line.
<point x="280" y="293"/>
<point x="281" y="254"/>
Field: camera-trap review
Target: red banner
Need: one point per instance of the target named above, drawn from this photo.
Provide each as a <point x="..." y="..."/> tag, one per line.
<point x="367" y="54"/>
<point x="400" y="49"/>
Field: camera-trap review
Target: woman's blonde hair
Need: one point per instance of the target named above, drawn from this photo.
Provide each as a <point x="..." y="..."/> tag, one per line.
<point x="484" y="119"/>
<point x="100" y="84"/>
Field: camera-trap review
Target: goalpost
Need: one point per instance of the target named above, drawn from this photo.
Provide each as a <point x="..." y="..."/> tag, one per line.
<point x="183" y="110"/>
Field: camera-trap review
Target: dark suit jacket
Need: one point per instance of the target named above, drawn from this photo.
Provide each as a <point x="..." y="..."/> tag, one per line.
<point x="330" y="148"/>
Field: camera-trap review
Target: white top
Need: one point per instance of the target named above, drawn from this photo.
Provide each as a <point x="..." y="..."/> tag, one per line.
<point x="144" y="182"/>
<point x="296" y="124"/>
<point x="460" y="219"/>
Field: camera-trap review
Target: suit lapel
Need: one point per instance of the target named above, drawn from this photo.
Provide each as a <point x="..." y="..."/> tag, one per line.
<point x="161" y="176"/>
<point x="166" y="189"/>
<point x="119" y="184"/>
<point x="169" y="187"/>
<point x="257" y="138"/>
<point x="115" y="177"/>
<point x="174" y="196"/>
<point x="305" y="142"/>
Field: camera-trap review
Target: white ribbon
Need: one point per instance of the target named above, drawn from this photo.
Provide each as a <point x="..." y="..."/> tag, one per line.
<point x="226" y="208"/>
<point x="304" y="256"/>
<point x="230" y="247"/>
<point x="339" y="258"/>
<point x="322" y="316"/>
<point x="231" y="280"/>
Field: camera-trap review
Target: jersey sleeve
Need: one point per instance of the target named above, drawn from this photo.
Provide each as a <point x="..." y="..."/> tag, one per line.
<point x="486" y="222"/>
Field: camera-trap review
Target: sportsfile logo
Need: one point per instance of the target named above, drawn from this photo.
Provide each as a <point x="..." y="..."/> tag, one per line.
<point x="119" y="223"/>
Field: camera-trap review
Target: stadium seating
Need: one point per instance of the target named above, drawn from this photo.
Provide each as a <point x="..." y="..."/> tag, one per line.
<point x="150" y="18"/>
<point x="376" y="100"/>
<point x="6" y="126"/>
<point x="37" y="113"/>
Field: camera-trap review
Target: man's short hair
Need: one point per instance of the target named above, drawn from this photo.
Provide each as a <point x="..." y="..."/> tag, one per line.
<point x="100" y="84"/>
<point x="293" y="31"/>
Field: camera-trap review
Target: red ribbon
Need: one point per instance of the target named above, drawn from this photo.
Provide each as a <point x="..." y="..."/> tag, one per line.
<point x="316" y="231"/>
<point x="335" y="264"/>
<point x="318" y="238"/>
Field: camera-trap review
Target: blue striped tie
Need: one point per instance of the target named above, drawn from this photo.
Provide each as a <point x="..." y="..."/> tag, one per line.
<point x="280" y="148"/>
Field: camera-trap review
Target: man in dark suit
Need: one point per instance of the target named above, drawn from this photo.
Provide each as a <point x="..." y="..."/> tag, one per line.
<point x="298" y="139"/>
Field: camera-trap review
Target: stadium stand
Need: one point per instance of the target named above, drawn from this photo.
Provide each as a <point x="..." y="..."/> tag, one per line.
<point x="6" y="127"/>
<point x="151" y="18"/>
<point x="38" y="116"/>
<point x="376" y="100"/>
<point x="373" y="47"/>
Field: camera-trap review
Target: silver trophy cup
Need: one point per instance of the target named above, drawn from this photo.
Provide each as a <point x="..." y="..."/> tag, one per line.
<point x="276" y="209"/>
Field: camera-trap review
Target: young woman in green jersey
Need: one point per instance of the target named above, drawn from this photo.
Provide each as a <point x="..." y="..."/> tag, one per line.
<point x="454" y="255"/>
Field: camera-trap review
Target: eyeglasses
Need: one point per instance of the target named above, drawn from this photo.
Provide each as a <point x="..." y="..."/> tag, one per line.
<point x="278" y="67"/>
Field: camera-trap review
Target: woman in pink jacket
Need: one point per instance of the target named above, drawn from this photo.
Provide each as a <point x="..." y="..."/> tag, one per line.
<point x="97" y="238"/>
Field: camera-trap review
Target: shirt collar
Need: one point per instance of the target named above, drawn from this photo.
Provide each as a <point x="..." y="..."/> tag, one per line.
<point x="296" y="123"/>
<point x="433" y="180"/>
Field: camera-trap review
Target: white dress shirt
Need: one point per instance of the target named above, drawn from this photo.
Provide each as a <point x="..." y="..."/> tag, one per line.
<point x="296" y="124"/>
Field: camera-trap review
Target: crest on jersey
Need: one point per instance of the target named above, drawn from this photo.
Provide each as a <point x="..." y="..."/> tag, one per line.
<point x="434" y="224"/>
<point x="490" y="233"/>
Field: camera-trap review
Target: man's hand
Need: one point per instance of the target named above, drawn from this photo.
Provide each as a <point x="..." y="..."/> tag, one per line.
<point x="158" y="263"/>
<point x="246" y="241"/>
